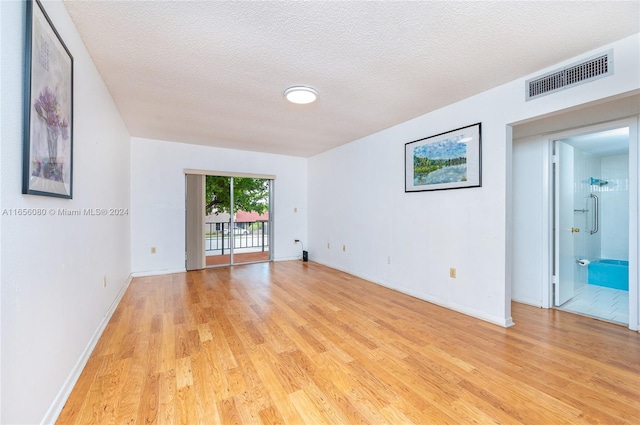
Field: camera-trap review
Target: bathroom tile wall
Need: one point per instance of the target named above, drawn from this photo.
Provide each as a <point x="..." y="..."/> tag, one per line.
<point x="614" y="207"/>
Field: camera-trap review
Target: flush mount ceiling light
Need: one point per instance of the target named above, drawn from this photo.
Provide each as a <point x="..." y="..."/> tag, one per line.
<point x="301" y="95"/>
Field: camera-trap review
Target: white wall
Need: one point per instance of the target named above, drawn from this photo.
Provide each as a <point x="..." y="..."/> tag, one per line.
<point x="53" y="299"/>
<point x="529" y="206"/>
<point x="356" y="198"/>
<point x="158" y="198"/>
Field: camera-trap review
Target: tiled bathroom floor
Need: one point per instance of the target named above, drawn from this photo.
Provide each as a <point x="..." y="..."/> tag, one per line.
<point x="601" y="302"/>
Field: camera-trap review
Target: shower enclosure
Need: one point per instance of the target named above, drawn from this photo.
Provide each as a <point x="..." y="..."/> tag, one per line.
<point x="592" y="224"/>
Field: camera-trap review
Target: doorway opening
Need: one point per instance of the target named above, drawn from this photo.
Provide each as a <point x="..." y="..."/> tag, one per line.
<point x="591" y="224"/>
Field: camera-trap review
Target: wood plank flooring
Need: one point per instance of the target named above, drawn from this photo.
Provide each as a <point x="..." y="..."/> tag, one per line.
<point x="299" y="343"/>
<point x="238" y="258"/>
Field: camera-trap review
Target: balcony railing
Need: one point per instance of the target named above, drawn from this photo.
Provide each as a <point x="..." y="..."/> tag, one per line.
<point x="254" y="236"/>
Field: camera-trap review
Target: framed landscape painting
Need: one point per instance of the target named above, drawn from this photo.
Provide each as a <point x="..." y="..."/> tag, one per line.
<point x="48" y="109"/>
<point x="450" y="160"/>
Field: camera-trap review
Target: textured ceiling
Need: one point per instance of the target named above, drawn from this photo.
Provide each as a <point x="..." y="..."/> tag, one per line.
<point x="213" y="73"/>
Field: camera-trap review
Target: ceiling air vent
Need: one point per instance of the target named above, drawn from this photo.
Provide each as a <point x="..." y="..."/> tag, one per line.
<point x="578" y="73"/>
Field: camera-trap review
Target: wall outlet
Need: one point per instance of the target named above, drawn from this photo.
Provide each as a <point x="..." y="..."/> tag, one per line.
<point x="295" y="209"/>
<point x="452" y="272"/>
<point x="104" y="281"/>
<point x="328" y="245"/>
<point x="344" y="248"/>
<point x="153" y="249"/>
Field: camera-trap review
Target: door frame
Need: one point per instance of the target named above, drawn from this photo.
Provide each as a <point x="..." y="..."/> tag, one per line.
<point x="634" y="205"/>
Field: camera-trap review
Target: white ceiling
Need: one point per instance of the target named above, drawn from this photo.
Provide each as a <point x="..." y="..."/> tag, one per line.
<point x="603" y="143"/>
<point x="213" y="72"/>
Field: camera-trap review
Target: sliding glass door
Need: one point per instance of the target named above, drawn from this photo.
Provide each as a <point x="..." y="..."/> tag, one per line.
<point x="237" y="224"/>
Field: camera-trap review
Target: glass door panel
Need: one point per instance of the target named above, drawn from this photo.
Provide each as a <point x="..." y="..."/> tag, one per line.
<point x="218" y="220"/>
<point x="251" y="219"/>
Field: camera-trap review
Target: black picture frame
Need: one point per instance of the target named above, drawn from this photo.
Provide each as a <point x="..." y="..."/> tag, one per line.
<point x="48" y="108"/>
<point x="450" y="160"/>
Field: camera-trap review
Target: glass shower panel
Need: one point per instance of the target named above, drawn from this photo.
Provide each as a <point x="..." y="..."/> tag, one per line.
<point x="587" y="241"/>
<point x="615" y="207"/>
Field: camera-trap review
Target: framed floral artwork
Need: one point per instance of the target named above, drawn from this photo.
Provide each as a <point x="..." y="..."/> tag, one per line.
<point x="48" y="108"/>
<point x="450" y="160"/>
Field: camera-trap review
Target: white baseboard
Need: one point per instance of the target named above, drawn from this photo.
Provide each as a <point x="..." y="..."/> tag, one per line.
<point x="504" y="322"/>
<point x="157" y="272"/>
<point x="299" y="258"/>
<point x="532" y="303"/>
<point x="61" y="398"/>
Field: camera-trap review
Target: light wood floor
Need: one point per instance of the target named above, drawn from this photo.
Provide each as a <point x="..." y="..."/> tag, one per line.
<point x="299" y="343"/>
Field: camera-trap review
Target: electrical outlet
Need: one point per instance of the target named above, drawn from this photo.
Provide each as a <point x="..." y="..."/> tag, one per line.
<point x="452" y="272"/>
<point x="104" y="281"/>
<point x="295" y="209"/>
<point x="344" y="248"/>
<point x="153" y="249"/>
<point x="328" y="245"/>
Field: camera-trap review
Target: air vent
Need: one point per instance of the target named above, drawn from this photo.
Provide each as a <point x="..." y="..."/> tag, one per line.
<point x="583" y="72"/>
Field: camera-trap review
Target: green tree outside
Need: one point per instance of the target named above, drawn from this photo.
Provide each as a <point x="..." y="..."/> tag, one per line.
<point x="249" y="194"/>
